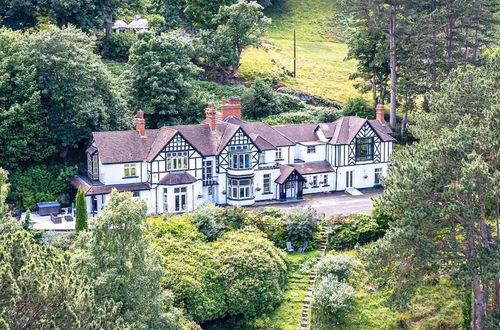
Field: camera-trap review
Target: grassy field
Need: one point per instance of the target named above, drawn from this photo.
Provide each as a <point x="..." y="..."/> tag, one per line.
<point x="321" y="66"/>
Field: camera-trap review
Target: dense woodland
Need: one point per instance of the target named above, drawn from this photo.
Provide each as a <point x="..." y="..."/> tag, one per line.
<point x="432" y="240"/>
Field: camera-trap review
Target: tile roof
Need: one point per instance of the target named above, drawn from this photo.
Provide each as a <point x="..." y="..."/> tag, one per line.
<point x="285" y="172"/>
<point x="129" y="146"/>
<point x="313" y="167"/>
<point x="140" y="23"/>
<point x="174" y="178"/>
<point x="100" y="189"/>
<point x="299" y="132"/>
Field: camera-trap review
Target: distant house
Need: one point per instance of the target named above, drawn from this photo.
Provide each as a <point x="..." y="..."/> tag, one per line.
<point x="229" y="161"/>
<point x="137" y="25"/>
<point x="119" y="26"/>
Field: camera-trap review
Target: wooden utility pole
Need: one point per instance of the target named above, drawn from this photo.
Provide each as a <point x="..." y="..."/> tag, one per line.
<point x="294" y="55"/>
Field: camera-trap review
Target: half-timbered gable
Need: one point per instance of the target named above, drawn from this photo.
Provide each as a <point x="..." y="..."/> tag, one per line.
<point x="177" y="155"/>
<point x="239" y="153"/>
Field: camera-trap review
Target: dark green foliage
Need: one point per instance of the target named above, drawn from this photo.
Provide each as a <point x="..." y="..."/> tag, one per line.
<point x="39" y="288"/>
<point x="81" y="212"/>
<point x="358" y="229"/>
<point x="27" y="220"/>
<point x="260" y="100"/>
<point x="161" y="70"/>
<point x="41" y="183"/>
<point x="117" y="45"/>
<point x="254" y="273"/>
<point x="302" y="225"/>
<point x="358" y="107"/>
<point x="209" y="222"/>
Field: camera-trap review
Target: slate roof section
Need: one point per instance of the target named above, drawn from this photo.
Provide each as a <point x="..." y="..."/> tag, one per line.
<point x="299" y="132"/>
<point x="119" y="24"/>
<point x="175" y="178"/>
<point x="100" y="189"/>
<point x="139" y="24"/>
<point x="266" y="137"/>
<point x="285" y="172"/>
<point x="313" y="167"/>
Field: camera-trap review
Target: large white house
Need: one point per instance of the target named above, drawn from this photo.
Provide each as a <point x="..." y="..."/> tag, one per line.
<point x="229" y="161"/>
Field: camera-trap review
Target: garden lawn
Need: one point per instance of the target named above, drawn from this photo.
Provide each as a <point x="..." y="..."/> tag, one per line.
<point x="321" y="66"/>
<point x="288" y="314"/>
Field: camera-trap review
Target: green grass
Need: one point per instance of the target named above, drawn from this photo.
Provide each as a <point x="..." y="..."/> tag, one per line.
<point x="288" y="314"/>
<point x="321" y="66"/>
<point x="434" y="306"/>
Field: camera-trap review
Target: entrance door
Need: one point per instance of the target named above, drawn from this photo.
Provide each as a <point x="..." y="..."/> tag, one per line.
<point x="180" y="199"/>
<point x="348" y="181"/>
<point x="291" y="189"/>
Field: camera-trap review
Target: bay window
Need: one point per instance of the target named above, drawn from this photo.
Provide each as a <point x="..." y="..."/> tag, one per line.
<point x="240" y="188"/>
<point x="177" y="160"/>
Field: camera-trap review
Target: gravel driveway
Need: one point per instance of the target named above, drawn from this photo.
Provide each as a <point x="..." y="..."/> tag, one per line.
<point x="330" y="204"/>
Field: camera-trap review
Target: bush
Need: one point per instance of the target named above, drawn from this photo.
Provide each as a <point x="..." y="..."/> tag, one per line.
<point x="117" y="45"/>
<point x="332" y="298"/>
<point x="358" y="107"/>
<point x="260" y="100"/>
<point x="358" y="229"/>
<point x="180" y="226"/>
<point x="289" y="103"/>
<point x="41" y="183"/>
<point x="273" y="227"/>
<point x="233" y="217"/>
<point x="301" y="225"/>
<point x="208" y="221"/>
<point x="340" y="266"/>
<point x="253" y="270"/>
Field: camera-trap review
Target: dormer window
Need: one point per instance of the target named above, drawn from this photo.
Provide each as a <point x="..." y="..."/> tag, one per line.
<point x="129" y="170"/>
<point x="93" y="166"/>
<point x="364" y="149"/>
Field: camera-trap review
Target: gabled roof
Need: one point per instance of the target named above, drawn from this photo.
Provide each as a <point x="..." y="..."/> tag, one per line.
<point x="175" y="178"/>
<point x="119" y="24"/>
<point x="285" y="172"/>
<point x="100" y="189"/>
<point x="263" y="135"/>
<point x="140" y="23"/>
<point x="123" y="146"/>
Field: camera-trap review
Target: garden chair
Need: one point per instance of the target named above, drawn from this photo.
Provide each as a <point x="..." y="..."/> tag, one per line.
<point x="289" y="247"/>
<point x="303" y="248"/>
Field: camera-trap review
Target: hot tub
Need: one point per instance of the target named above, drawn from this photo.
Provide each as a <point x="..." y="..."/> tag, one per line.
<point x="46" y="208"/>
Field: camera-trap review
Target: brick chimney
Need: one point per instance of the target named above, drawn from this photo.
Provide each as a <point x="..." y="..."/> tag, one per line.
<point x="140" y="123"/>
<point x="380" y="111"/>
<point x="211" y="116"/>
<point x="233" y="108"/>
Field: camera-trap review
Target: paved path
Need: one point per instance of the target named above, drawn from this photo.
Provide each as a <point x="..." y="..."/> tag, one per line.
<point x="338" y="203"/>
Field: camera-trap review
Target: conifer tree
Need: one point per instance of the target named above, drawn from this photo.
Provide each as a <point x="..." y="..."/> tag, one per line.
<point x="27" y="219"/>
<point x="81" y="212"/>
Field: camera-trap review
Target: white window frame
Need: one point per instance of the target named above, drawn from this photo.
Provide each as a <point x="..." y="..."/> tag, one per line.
<point x="378" y="174"/>
<point x="325" y="180"/>
<point x="178" y="194"/>
<point x="262" y="158"/>
<point x="240" y="188"/>
<point x="266" y="184"/>
<point x="240" y="160"/>
<point x="208" y="170"/>
<point x="311" y="149"/>
<point x="177" y="160"/>
<point x="279" y="153"/>
<point x="129" y="170"/>
<point x="315" y="180"/>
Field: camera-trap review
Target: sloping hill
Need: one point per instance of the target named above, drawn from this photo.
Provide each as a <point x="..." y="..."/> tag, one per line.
<point x="321" y="68"/>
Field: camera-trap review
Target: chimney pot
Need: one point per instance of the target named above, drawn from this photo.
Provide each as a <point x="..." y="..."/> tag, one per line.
<point x="380" y="111"/>
<point x="233" y="108"/>
<point x="140" y="123"/>
<point x="210" y="116"/>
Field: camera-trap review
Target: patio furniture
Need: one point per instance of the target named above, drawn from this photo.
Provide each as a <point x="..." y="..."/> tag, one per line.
<point x="68" y="218"/>
<point x="303" y="248"/>
<point x="289" y="247"/>
<point x="47" y="208"/>
<point x="55" y="219"/>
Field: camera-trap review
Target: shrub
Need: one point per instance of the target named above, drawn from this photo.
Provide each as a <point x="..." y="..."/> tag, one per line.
<point x="82" y="222"/>
<point x="332" y="298"/>
<point x="233" y="217"/>
<point x="357" y="107"/>
<point x="301" y="225"/>
<point x="358" y="229"/>
<point x="273" y="227"/>
<point x="208" y="221"/>
<point x="340" y="266"/>
<point x="41" y="183"/>
<point x="180" y="226"/>
<point x="254" y="273"/>
<point x="117" y="45"/>
<point x="289" y="103"/>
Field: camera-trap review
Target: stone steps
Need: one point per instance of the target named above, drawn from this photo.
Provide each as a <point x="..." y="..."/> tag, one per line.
<point x="304" y="323"/>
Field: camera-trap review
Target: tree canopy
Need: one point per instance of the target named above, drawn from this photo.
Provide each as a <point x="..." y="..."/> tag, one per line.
<point x="443" y="194"/>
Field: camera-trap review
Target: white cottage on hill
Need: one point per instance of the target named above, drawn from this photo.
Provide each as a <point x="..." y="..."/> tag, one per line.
<point x="229" y="161"/>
